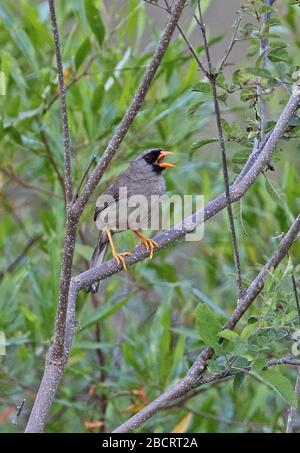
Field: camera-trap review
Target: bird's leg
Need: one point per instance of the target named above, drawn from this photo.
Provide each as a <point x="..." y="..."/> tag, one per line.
<point x="119" y="257"/>
<point x="148" y="243"/>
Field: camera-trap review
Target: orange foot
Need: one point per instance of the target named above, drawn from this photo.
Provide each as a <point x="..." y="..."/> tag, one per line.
<point x="150" y="245"/>
<point x="119" y="257"/>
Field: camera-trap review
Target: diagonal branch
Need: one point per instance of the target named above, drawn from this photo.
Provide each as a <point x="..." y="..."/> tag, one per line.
<point x="193" y="377"/>
<point x="227" y="374"/>
<point x="54" y="369"/>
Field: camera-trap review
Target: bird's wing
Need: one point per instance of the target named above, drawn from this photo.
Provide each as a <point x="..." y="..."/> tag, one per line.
<point x="103" y="201"/>
<point x="104" y="206"/>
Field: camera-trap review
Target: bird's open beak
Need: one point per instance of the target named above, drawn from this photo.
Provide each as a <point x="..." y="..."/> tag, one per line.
<point x="161" y="157"/>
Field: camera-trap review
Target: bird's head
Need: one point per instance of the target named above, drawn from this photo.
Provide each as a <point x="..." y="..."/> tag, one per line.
<point x="152" y="160"/>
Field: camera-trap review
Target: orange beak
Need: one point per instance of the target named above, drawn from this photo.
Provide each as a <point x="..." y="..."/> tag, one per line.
<point x="161" y="157"/>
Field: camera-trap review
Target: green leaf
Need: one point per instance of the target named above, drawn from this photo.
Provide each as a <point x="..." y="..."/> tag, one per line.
<point x="274" y="191"/>
<point x="193" y="107"/>
<point x="280" y="384"/>
<point x="273" y="22"/>
<point x="258" y="365"/>
<point x="94" y="20"/>
<point x="207" y="324"/>
<point x="249" y="330"/>
<point x="265" y="9"/>
<point x="252" y="134"/>
<point x="239" y="77"/>
<point x="221" y="82"/>
<point x="223" y="98"/>
<point x="130" y="355"/>
<point x="229" y="335"/>
<point x="201" y="87"/>
<point x="238" y="381"/>
<point x="28" y="314"/>
<point x="260" y="72"/>
<point x="226" y="127"/>
<point x="248" y="94"/>
<point x="19" y="36"/>
<point x="82" y="52"/>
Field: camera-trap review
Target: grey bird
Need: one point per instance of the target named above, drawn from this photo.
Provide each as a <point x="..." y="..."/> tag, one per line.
<point x="143" y="177"/>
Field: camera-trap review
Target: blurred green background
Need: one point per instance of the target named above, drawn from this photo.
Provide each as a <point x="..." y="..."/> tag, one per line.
<point x="143" y="334"/>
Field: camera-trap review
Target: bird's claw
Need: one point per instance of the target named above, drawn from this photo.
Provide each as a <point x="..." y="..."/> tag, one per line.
<point x="150" y="245"/>
<point x="119" y="257"/>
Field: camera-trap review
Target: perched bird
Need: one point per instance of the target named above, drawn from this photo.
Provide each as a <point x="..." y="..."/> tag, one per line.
<point x="143" y="177"/>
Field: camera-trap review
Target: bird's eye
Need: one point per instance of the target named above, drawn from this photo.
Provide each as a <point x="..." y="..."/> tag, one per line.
<point x="148" y="159"/>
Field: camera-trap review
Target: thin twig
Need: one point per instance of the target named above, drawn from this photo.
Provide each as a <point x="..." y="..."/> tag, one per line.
<point x="19" y="410"/>
<point x="64" y="112"/>
<point x="212" y="78"/>
<point x="192" y="50"/>
<point x="203" y="31"/>
<point x="294" y="285"/>
<point x="226" y="375"/>
<point x="234" y="39"/>
<point x="295" y="292"/>
<point x="52" y="160"/>
<point x="188" y="43"/>
<point x="93" y="160"/>
<point x="20" y="257"/>
<point x="156" y="4"/>
<point x="27" y="185"/>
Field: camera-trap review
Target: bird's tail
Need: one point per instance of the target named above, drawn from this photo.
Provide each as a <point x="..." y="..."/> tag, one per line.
<point x="98" y="258"/>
